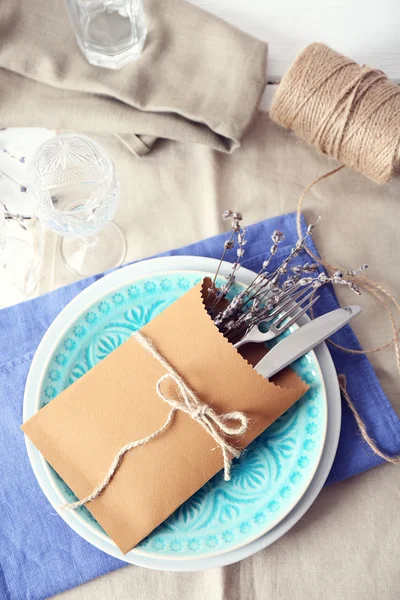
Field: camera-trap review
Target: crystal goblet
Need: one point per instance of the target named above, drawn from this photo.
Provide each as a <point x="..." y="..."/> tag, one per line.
<point x="75" y="189"/>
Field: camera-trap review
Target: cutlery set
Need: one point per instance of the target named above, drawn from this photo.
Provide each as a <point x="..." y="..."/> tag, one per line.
<point x="300" y="341"/>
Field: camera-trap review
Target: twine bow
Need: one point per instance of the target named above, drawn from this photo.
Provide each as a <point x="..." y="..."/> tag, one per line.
<point x="215" y="425"/>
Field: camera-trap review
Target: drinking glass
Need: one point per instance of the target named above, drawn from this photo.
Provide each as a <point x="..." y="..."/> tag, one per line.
<point x="75" y="189"/>
<point x="110" y="33"/>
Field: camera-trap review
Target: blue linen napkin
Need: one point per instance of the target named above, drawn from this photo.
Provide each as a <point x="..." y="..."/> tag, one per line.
<point x="39" y="554"/>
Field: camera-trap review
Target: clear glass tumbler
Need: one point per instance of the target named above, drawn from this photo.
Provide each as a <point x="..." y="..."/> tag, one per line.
<point x="110" y="33"/>
<point x="75" y="190"/>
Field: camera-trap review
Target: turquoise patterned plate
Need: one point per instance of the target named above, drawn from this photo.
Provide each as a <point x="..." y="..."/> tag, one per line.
<point x="269" y="478"/>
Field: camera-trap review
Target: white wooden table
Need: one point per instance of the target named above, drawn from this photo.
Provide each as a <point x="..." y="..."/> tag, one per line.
<point x="366" y="30"/>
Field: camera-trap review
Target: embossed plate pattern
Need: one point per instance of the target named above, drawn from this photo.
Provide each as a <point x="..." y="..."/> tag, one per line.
<point x="269" y="478"/>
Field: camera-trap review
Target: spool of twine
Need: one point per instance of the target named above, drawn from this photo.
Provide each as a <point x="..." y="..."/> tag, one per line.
<point x="348" y="111"/>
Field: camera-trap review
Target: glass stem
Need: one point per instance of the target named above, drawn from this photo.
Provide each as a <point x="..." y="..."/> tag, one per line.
<point x="90" y="242"/>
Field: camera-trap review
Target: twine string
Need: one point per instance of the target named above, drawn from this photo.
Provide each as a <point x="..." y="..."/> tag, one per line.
<point x="395" y="460"/>
<point x="383" y="296"/>
<point x="375" y="289"/>
<point x="217" y="426"/>
<point x="349" y="112"/>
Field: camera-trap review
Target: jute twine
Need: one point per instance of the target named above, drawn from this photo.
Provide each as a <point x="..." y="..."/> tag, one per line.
<point x="347" y="111"/>
<point x="391" y="306"/>
<point x="352" y="113"/>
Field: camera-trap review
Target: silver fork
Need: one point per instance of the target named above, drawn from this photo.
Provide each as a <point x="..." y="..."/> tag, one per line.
<point x="277" y="319"/>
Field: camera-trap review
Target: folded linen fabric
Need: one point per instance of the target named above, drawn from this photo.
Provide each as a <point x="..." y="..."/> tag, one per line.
<point x="39" y="554"/>
<point x="198" y="80"/>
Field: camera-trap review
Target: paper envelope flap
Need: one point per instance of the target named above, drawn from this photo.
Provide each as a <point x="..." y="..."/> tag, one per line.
<point x="80" y="431"/>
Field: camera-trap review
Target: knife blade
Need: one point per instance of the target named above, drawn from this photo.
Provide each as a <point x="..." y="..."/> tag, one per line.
<point x="304" y="339"/>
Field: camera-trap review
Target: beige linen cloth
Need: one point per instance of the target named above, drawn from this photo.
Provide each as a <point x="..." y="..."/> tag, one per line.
<point x="347" y="545"/>
<point x="198" y="79"/>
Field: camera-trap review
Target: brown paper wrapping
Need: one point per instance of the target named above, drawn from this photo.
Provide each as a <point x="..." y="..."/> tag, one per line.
<point x="81" y="430"/>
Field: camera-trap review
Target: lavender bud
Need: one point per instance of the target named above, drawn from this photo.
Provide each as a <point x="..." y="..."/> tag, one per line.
<point x="227" y="214"/>
<point x="357" y="271"/>
<point x="355" y="289"/>
<point x="237" y="216"/>
<point x="313" y="225"/>
<point x="228" y="244"/>
<point x="307" y="268"/>
<point x="240" y="252"/>
<point x="259" y="279"/>
<point x="337" y="276"/>
<point x="236" y="226"/>
<point x="290" y="281"/>
<point x="277" y="237"/>
<point x="305" y="281"/>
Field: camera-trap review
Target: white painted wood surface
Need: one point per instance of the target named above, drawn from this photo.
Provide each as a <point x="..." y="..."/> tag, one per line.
<point x="366" y="30"/>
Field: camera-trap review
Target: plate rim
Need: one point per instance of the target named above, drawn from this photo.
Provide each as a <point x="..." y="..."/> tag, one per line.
<point x="62" y="323"/>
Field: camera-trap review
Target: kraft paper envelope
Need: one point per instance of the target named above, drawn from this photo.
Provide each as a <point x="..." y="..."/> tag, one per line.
<point x="81" y="430"/>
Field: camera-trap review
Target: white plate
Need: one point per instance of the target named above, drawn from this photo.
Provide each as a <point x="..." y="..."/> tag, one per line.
<point x="58" y="327"/>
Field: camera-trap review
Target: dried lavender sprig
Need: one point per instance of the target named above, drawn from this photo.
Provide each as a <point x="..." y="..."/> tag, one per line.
<point x="309" y="283"/>
<point x="338" y="277"/>
<point x="263" y="289"/>
<point x="282" y="269"/>
<point x="15" y="216"/>
<point x="277" y="237"/>
<point x="273" y="278"/>
<point x="240" y="300"/>
<point x="224" y="289"/>
<point x="228" y="244"/>
<point x="240" y="232"/>
<point x="22" y="188"/>
<point x="20" y="159"/>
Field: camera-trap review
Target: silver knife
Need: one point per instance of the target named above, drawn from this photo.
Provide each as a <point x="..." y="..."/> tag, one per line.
<point x="304" y="339"/>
